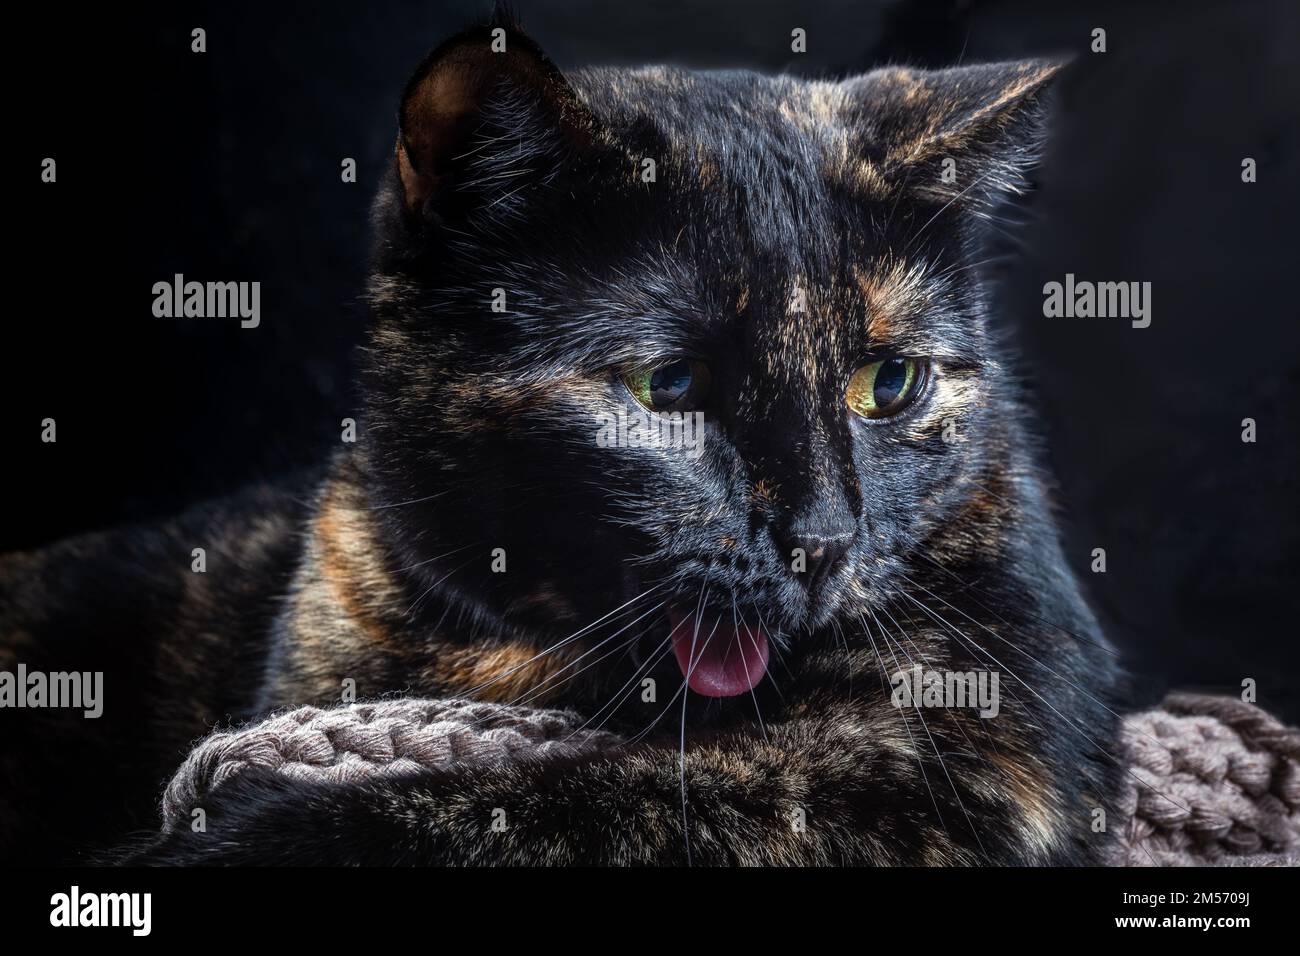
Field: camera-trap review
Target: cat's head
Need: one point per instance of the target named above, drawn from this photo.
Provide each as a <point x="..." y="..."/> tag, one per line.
<point x="564" y="258"/>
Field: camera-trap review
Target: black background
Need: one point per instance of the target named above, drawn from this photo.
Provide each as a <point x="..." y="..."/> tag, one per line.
<point x="225" y="166"/>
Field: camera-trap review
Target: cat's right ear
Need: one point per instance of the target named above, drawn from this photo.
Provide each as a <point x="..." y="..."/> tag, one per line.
<point x="962" y="135"/>
<point x="485" y="119"/>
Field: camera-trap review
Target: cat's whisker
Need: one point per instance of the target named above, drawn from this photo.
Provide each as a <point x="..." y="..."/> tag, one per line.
<point x="436" y="495"/>
<point x="409" y="501"/>
<point x="420" y="564"/>
<point x="1069" y="723"/>
<point x="903" y="634"/>
<point x="776" y="635"/>
<point x="681" y="689"/>
<point x="988" y="491"/>
<point x="902" y="189"/>
<point x="920" y="232"/>
<point x="907" y="725"/>
<point x="1051" y="670"/>
<point x="945" y="624"/>
<point x="919" y="550"/>
<point x="400" y="598"/>
<point x="483" y="141"/>
<point x="735" y="627"/>
<point x="875" y="653"/>
<point x="534" y="692"/>
<point x="959" y="267"/>
<point x="844" y="643"/>
<point x="997" y="767"/>
<point x="774" y="644"/>
<point x="1029" y="710"/>
<point x="561" y="643"/>
<point x="943" y="765"/>
<point x="686" y="680"/>
<point x="430" y="589"/>
<point x="641" y="735"/>
<point x="621" y="695"/>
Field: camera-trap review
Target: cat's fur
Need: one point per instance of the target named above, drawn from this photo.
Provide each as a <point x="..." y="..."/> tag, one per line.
<point x="478" y="434"/>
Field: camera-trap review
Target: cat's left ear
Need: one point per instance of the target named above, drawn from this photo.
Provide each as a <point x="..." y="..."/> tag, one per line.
<point x="965" y="134"/>
<point x="485" y="117"/>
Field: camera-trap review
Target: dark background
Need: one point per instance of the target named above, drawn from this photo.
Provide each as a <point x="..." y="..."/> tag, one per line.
<point x="225" y="165"/>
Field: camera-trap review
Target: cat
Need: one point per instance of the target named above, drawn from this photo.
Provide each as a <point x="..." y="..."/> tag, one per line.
<point x="792" y="261"/>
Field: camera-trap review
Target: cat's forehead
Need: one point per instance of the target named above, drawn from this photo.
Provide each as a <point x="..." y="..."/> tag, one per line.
<point x="737" y="159"/>
<point x="672" y="94"/>
<point x="738" y="126"/>
<point x="779" y="213"/>
<point x="880" y="303"/>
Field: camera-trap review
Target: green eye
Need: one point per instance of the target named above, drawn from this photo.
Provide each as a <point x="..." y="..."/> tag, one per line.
<point x="677" y="386"/>
<point x="885" y="388"/>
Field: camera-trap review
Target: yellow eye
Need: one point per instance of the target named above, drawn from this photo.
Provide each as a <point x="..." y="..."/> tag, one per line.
<point x="677" y="386"/>
<point x="884" y="388"/>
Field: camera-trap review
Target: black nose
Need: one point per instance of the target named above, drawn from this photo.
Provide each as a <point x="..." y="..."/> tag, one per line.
<point x="822" y="554"/>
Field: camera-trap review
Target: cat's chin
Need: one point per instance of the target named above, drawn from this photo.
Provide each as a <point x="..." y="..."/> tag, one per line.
<point x="719" y="655"/>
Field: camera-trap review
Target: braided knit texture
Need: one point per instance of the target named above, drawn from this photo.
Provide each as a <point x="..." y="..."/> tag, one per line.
<point x="1220" y="778"/>
<point x="357" y="742"/>
<point x="1220" y="785"/>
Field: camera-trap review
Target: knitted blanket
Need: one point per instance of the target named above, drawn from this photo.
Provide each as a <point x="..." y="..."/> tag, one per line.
<point x="1220" y="786"/>
<point x="354" y="742"/>
<point x="1212" y="781"/>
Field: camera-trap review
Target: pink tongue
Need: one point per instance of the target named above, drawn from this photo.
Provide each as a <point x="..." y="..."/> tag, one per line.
<point x="731" y="661"/>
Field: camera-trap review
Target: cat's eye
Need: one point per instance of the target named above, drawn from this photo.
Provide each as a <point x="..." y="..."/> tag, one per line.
<point x="679" y="385"/>
<point x="885" y="388"/>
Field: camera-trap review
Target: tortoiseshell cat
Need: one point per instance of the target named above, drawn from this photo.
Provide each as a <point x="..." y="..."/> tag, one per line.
<point x="798" y="262"/>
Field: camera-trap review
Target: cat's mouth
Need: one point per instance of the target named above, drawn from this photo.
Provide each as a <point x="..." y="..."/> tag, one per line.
<point x="718" y="655"/>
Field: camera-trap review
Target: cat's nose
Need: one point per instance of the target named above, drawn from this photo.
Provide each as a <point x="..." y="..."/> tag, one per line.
<point x="813" y="557"/>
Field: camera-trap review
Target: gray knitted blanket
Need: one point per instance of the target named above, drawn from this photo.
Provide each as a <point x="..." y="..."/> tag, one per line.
<point x="1222" y="786"/>
<point x="1220" y="779"/>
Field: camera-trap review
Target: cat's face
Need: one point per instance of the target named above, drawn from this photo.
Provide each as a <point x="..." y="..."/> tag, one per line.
<point x="784" y="266"/>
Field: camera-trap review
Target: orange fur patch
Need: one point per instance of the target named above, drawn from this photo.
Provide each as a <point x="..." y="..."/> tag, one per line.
<point x="505" y="672"/>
